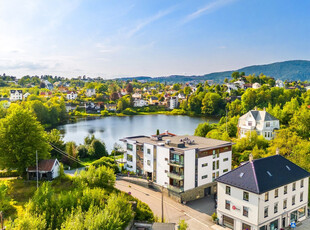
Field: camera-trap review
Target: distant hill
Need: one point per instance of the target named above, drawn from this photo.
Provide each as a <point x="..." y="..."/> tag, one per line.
<point x="286" y="70"/>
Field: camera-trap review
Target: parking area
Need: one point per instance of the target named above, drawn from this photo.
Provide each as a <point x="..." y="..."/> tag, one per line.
<point x="204" y="205"/>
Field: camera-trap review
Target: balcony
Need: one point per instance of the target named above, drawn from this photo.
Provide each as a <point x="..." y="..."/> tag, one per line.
<point x="176" y="175"/>
<point x="176" y="163"/>
<point x="175" y="188"/>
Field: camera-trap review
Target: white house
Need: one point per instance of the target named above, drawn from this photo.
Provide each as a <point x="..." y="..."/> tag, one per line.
<point x="140" y="103"/>
<point x="186" y="165"/>
<point x="181" y="96"/>
<point x="256" y="85"/>
<point x="279" y="83"/>
<point x="90" y="92"/>
<point x="26" y="95"/>
<point x="261" y="122"/>
<point x="173" y="103"/>
<point x="47" y="170"/>
<point x="16" y="95"/>
<point x="137" y="96"/>
<point x="48" y="85"/>
<point x="230" y="87"/>
<point x="71" y="95"/>
<point x="263" y="194"/>
<point x="240" y="84"/>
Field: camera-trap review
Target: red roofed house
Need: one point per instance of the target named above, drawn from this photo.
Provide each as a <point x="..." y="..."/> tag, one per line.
<point x="46" y="94"/>
<point x="47" y="170"/>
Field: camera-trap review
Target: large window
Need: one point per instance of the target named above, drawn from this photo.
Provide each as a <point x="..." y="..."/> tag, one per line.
<point x="294" y="186"/>
<point x="129" y="147"/>
<point x="267" y="124"/>
<point x="301" y="196"/>
<point x="228" y="190"/>
<point x="266" y="212"/>
<point x="275" y="208"/>
<point x="276" y="193"/>
<point x="245" y="211"/>
<point x="301" y="212"/>
<point x="246" y="196"/>
<point x="129" y="157"/>
<point x="266" y="196"/>
<point x="285" y="189"/>
<point x="227" y="204"/>
<point x="293" y="200"/>
<point x="285" y="204"/>
<point x="148" y="151"/>
<point x="246" y="226"/>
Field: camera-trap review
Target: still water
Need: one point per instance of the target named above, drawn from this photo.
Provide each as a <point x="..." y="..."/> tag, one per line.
<point x="111" y="129"/>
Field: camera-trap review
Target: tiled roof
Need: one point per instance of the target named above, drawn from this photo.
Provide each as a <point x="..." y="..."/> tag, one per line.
<point x="264" y="174"/>
<point x="44" y="165"/>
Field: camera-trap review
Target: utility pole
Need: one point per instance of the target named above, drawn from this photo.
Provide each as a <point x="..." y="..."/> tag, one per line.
<point x="226" y="120"/>
<point x="37" y="169"/>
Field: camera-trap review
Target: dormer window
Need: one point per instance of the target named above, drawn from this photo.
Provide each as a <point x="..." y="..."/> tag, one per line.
<point x="267" y="124"/>
<point x="249" y="123"/>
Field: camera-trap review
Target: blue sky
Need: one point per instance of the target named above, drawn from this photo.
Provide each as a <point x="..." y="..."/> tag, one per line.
<point x="149" y="38"/>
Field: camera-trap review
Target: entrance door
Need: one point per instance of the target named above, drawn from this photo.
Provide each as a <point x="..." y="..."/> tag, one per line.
<point x="283" y="222"/>
<point x="208" y="191"/>
<point x="228" y="222"/>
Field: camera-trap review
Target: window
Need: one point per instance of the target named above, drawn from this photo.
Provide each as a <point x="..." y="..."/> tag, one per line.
<point x="129" y="147"/>
<point x="276" y="193"/>
<point x="225" y="170"/>
<point x="204" y="177"/>
<point x="129" y="157"/>
<point x="293" y="200"/>
<point x="245" y="211"/>
<point x="216" y="165"/>
<point x="213" y="176"/>
<point x="285" y="204"/>
<point x="302" y="183"/>
<point x="275" y="208"/>
<point x="225" y="159"/>
<point x="285" y="189"/>
<point x="148" y="151"/>
<point x="227" y="205"/>
<point x="227" y="190"/>
<point x="301" y="196"/>
<point x="266" y="212"/>
<point x="204" y="165"/>
<point x="246" y="196"/>
<point x="301" y="212"/>
<point x="216" y="153"/>
<point x="148" y="162"/>
<point x="266" y="196"/>
<point x="249" y="123"/>
<point x="217" y="174"/>
<point x="267" y="124"/>
<point x="294" y="186"/>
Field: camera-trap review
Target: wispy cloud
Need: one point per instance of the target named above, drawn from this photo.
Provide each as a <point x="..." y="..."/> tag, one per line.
<point x="148" y="21"/>
<point x="212" y="6"/>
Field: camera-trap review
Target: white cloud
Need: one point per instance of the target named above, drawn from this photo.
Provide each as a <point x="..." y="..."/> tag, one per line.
<point x="214" y="5"/>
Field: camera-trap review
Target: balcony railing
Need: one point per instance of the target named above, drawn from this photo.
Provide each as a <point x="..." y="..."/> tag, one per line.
<point x="176" y="188"/>
<point x="176" y="163"/>
<point x="176" y="175"/>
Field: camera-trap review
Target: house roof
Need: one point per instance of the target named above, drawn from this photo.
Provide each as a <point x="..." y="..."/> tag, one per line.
<point x="44" y="165"/>
<point x="265" y="174"/>
<point x="260" y="115"/>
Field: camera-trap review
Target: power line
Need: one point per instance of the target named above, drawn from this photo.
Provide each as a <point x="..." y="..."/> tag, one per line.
<point x="66" y="154"/>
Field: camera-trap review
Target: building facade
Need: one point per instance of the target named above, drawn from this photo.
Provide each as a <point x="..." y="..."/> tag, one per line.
<point x="90" y="92"/>
<point x="16" y="95"/>
<point x="71" y="95"/>
<point x="259" y="121"/>
<point x="186" y="165"/>
<point x="140" y="103"/>
<point x="173" y="103"/>
<point x="264" y="194"/>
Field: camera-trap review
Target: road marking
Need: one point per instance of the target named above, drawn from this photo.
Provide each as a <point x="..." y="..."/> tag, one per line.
<point x="180" y="210"/>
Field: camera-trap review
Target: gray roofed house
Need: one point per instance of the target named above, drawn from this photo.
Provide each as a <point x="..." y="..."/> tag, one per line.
<point x="260" y="121"/>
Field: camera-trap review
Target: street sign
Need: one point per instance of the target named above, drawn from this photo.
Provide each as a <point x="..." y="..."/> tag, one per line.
<point x="293" y="225"/>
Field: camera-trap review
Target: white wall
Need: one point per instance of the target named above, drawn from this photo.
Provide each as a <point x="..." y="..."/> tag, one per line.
<point x="162" y="165"/>
<point x="189" y="169"/>
<point x="225" y="164"/>
<point x="148" y="157"/>
<point x="134" y="156"/>
<point x="56" y="170"/>
<point x="207" y="170"/>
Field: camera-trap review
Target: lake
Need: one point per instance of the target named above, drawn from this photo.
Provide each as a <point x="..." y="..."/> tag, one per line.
<point x="111" y="129"/>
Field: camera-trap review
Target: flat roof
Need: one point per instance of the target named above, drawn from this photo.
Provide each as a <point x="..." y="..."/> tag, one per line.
<point x="201" y="143"/>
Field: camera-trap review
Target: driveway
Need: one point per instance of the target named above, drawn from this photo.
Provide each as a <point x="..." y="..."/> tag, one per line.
<point x="173" y="211"/>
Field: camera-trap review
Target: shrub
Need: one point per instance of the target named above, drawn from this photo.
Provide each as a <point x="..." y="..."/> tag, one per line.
<point x="183" y="225"/>
<point x="6" y="203"/>
<point x="105" y="113"/>
<point x="12" y="173"/>
<point x="129" y="111"/>
<point x="144" y="213"/>
<point x="108" y="162"/>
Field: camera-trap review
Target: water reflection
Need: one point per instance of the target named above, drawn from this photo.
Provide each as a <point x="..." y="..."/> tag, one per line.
<point x="111" y="129"/>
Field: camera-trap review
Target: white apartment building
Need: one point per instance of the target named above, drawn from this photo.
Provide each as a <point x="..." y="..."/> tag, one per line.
<point x="186" y="165"/>
<point x="279" y="83"/>
<point x="173" y="103"/>
<point x="260" y="121"/>
<point x="71" y="95"/>
<point x="140" y="103"/>
<point x="16" y="95"/>
<point x="90" y="92"/>
<point x="263" y="194"/>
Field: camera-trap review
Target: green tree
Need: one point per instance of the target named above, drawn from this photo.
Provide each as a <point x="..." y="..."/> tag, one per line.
<point x="54" y="137"/>
<point x="183" y="225"/>
<point x="21" y="135"/>
<point x="203" y="129"/>
<point x="300" y="122"/>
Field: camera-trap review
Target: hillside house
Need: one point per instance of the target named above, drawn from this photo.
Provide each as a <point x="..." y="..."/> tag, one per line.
<point x="16" y="95"/>
<point x="47" y="170"/>
<point x="71" y="95"/>
<point x="90" y="92"/>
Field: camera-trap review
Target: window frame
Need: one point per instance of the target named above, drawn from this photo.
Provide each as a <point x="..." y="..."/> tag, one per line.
<point x="246" y="196"/>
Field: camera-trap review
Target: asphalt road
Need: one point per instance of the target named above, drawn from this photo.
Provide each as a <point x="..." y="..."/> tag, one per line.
<point x="173" y="211"/>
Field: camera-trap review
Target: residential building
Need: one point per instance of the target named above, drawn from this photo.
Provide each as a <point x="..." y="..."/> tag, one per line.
<point x="279" y="83"/>
<point x="240" y="84"/>
<point x="46" y="94"/>
<point x="26" y="95"/>
<point x="111" y="107"/>
<point x="153" y="100"/>
<point x="71" y="95"/>
<point x="256" y="85"/>
<point x="62" y="89"/>
<point x="90" y="92"/>
<point x="247" y="85"/>
<point x="230" y="87"/>
<point x="48" y="85"/>
<point x="173" y="103"/>
<point x="186" y="165"/>
<point x="137" y="96"/>
<point x="16" y="95"/>
<point x="47" y="170"/>
<point x="140" y="103"/>
<point x="261" y="122"/>
<point x="181" y="96"/>
<point x="263" y="194"/>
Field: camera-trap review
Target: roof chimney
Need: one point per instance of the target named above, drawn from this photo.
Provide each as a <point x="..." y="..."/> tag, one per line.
<point x="251" y="157"/>
<point x="277" y="151"/>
